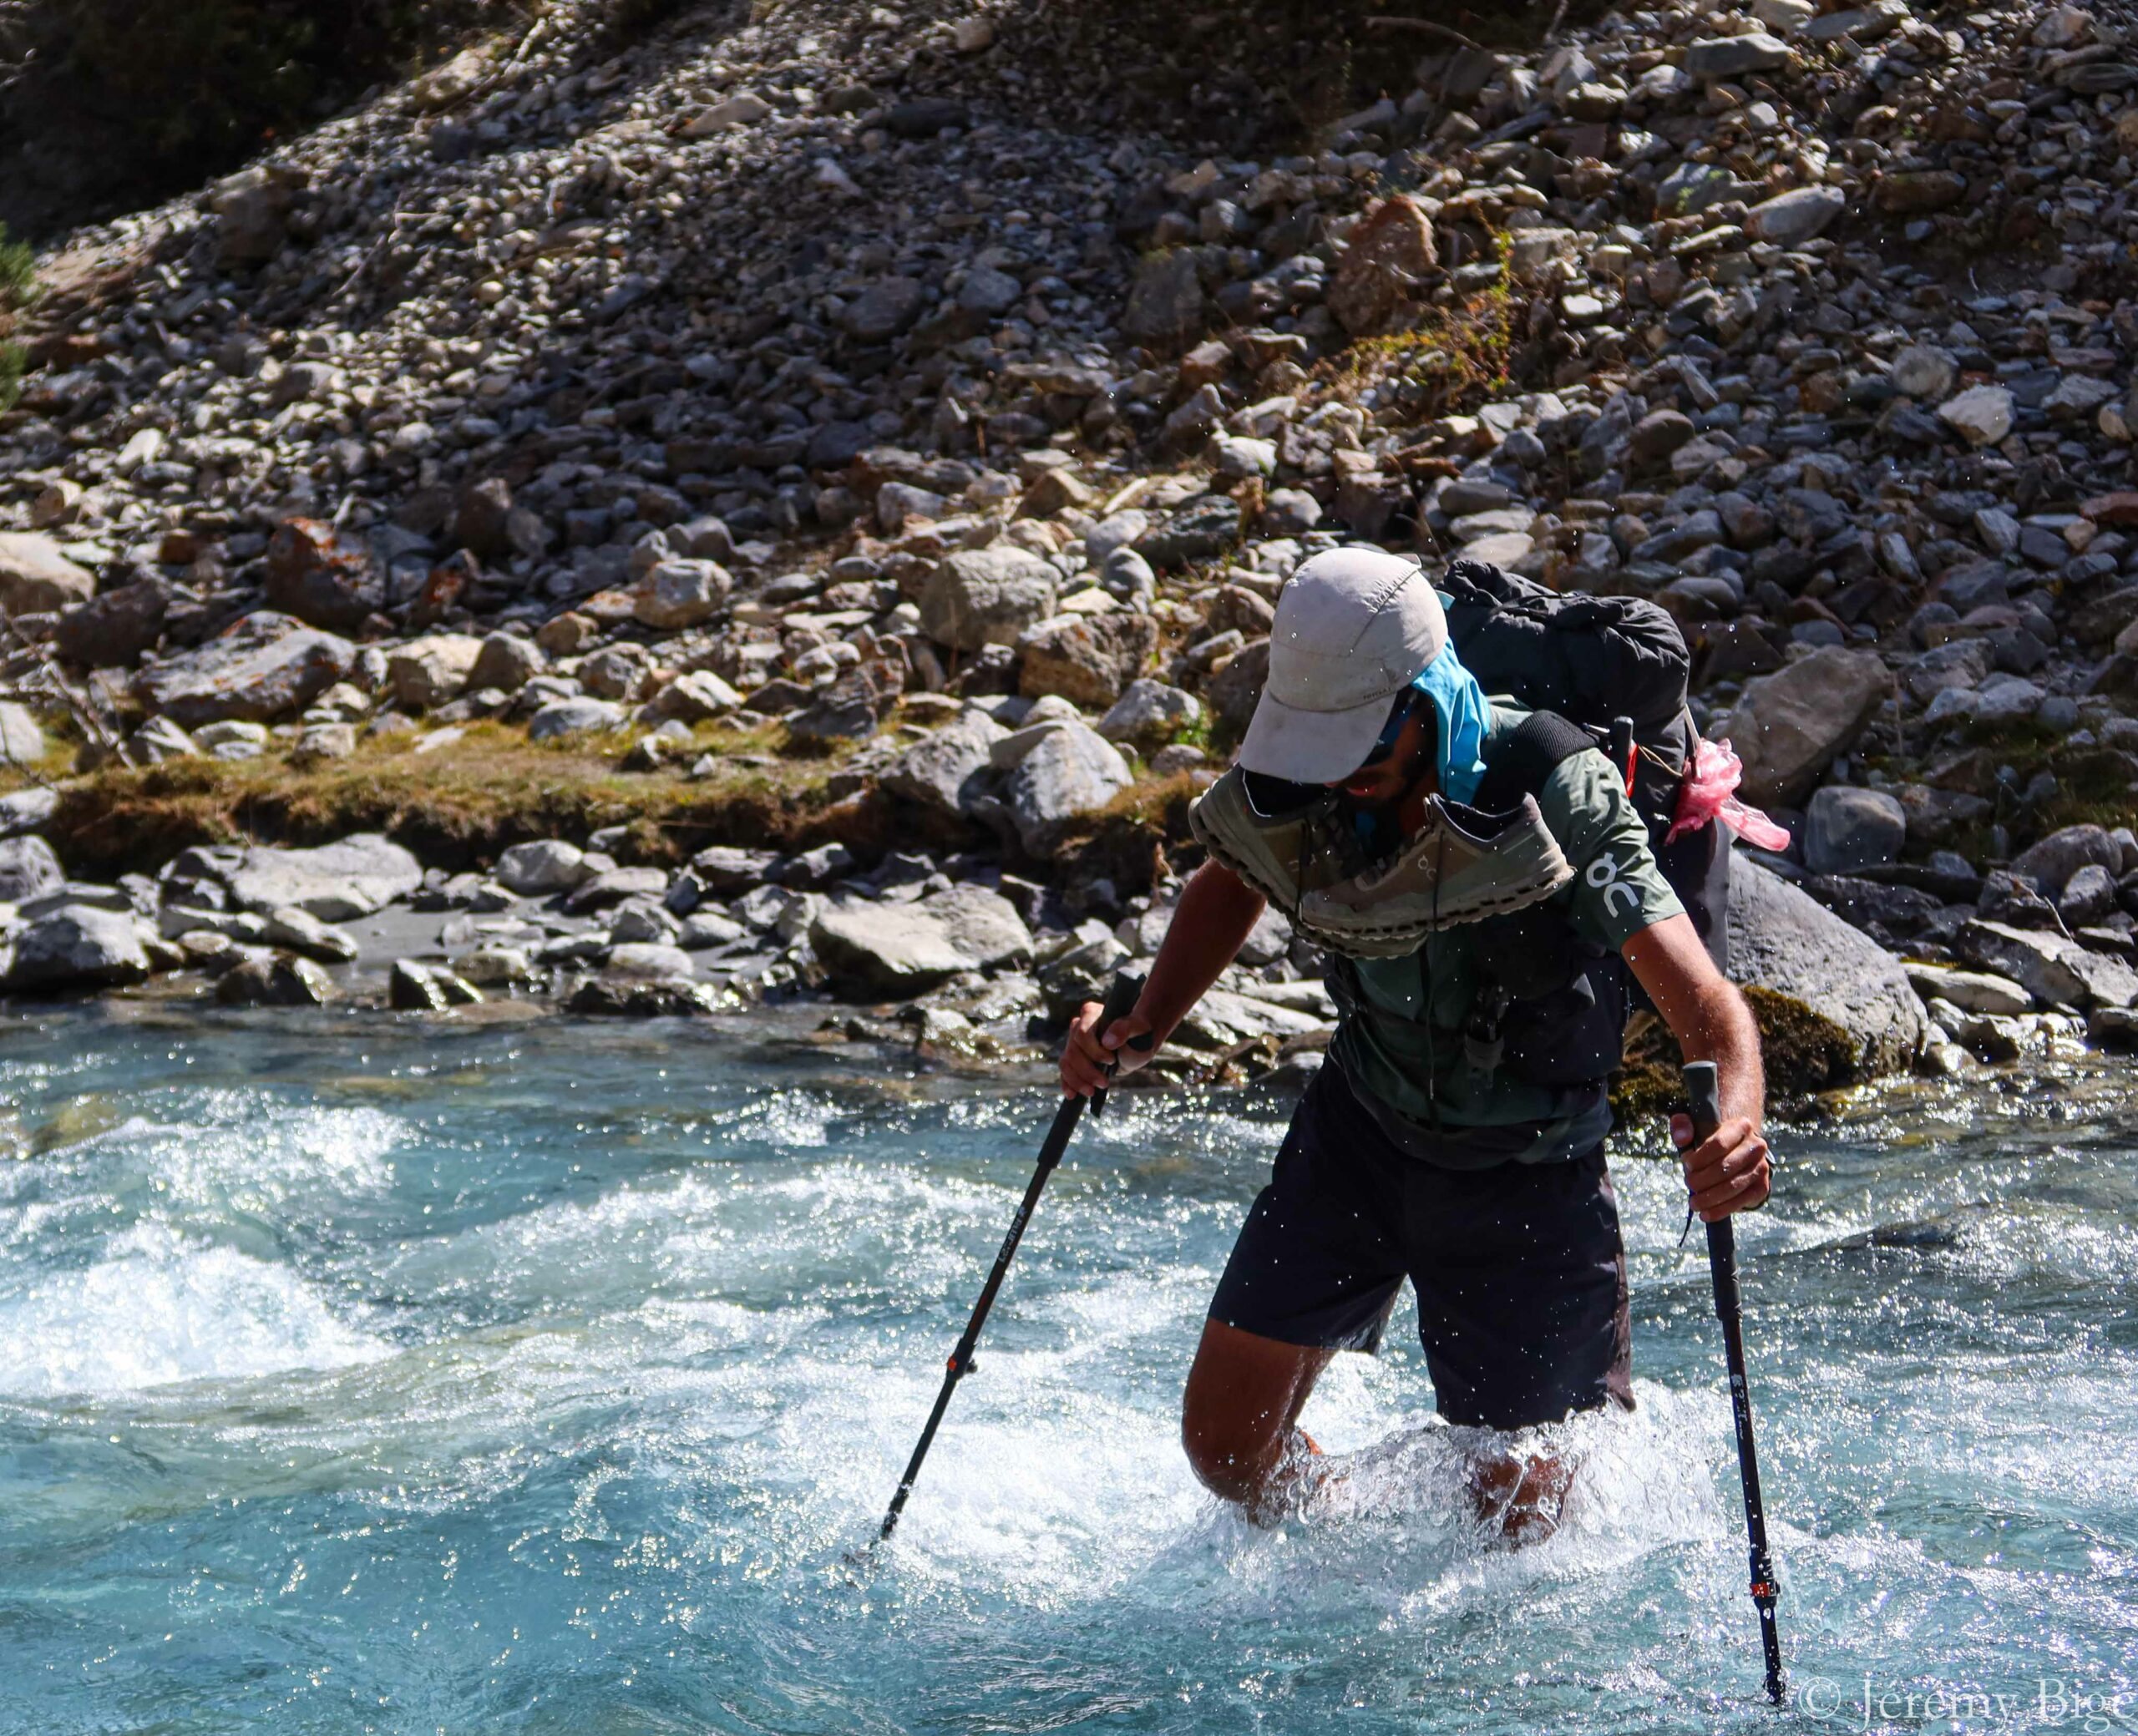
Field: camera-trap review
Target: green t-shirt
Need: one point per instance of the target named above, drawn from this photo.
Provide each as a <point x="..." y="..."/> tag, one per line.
<point x="1402" y="1042"/>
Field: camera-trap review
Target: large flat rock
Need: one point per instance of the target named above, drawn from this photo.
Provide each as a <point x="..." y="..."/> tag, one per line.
<point x="1781" y="938"/>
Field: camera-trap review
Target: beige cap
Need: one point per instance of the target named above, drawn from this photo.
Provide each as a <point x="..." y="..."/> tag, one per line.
<point x="1354" y="627"/>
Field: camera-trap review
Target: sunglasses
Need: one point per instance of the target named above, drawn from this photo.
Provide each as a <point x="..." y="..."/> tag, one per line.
<point x="1391" y="733"/>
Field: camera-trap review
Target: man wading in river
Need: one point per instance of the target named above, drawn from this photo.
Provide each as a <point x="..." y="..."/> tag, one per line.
<point x="1455" y="1135"/>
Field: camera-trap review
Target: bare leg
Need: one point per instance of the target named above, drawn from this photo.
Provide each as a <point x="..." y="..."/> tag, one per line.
<point x="1239" y="1417"/>
<point x="1522" y="1494"/>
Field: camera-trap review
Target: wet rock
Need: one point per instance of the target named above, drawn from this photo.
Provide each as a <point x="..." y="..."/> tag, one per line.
<point x="302" y="932"/>
<point x="1789" y="726"/>
<point x="75" y="946"/>
<point x="1072" y="772"/>
<point x="649" y="998"/>
<point x="35" y="578"/>
<point x="1781" y="939"/>
<point x="274" y="979"/>
<point x="907" y="948"/>
<point x="1972" y="991"/>
<point x="2049" y="966"/>
<point x="1086" y="659"/>
<point x="264" y="668"/>
<point x="414" y="986"/>
<point x="980" y="597"/>
<point x="728" y="869"/>
<point x="1848" y="830"/>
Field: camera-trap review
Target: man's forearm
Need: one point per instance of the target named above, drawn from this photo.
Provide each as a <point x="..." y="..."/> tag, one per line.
<point x="1211" y="922"/>
<point x="1724" y="1031"/>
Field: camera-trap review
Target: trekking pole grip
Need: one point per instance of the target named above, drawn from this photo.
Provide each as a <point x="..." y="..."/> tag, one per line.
<point x="1704" y="1087"/>
<point x="1120" y="999"/>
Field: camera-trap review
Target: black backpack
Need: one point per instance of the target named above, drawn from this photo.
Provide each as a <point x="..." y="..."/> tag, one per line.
<point x="1591" y="660"/>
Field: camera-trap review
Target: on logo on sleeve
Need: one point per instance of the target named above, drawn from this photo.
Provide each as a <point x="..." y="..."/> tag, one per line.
<point x="1602" y="874"/>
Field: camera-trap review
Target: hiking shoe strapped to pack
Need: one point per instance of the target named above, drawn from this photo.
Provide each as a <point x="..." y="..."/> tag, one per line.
<point x="1461" y="866"/>
<point x="1282" y="845"/>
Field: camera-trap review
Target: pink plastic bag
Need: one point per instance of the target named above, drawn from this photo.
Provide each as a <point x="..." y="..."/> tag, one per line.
<point x="1709" y="793"/>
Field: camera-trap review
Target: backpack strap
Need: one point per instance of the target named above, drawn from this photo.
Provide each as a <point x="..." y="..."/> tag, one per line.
<point x="1522" y="763"/>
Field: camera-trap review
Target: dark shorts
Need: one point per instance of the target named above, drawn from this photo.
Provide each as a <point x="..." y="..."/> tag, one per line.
<point x="1520" y="1273"/>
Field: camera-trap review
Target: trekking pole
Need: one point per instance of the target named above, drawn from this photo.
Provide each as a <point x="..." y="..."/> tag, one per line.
<point x="1704" y="1087"/>
<point x="1120" y="1002"/>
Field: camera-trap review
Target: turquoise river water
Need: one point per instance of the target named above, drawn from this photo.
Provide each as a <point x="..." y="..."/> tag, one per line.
<point x="359" y="1375"/>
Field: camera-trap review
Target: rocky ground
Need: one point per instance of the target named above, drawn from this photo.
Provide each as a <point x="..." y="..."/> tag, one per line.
<point x="906" y="402"/>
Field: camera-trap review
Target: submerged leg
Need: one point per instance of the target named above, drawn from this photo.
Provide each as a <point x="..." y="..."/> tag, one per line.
<point x="1520" y="1494"/>
<point x="1240" y="1414"/>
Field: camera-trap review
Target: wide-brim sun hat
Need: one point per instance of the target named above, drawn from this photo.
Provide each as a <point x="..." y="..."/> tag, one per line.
<point x="1354" y="628"/>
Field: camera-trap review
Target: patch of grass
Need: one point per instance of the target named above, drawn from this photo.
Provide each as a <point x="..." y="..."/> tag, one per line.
<point x="17" y="290"/>
<point x="459" y="806"/>
<point x="1455" y="356"/>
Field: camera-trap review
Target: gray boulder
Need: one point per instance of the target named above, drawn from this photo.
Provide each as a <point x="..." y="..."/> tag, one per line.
<point x="302" y="932"/>
<point x="430" y="671"/>
<point x="2051" y="863"/>
<point x="678" y="594"/>
<point x="1780" y="938"/>
<point x="76" y="946"/>
<point x="1085" y="658"/>
<point x="115" y="627"/>
<point x="36" y="578"/>
<point x="1847" y="830"/>
<point x="574" y="717"/>
<point x="2049" y="966"/>
<point x="1731" y="56"/>
<point x="905" y="948"/>
<point x="21" y="742"/>
<point x="1789" y="726"/>
<point x="26" y="810"/>
<point x="979" y="597"/>
<point x="546" y="865"/>
<point x="1149" y="712"/>
<point x="28" y="870"/>
<point x="335" y="883"/>
<point x="948" y="771"/>
<point x="1165" y="301"/>
<point x="266" y="667"/>
<point x="1073" y="772"/>
<point x="507" y="662"/>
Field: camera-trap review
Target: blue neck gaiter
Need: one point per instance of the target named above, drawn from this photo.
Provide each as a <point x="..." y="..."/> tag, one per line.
<point x="1459" y="703"/>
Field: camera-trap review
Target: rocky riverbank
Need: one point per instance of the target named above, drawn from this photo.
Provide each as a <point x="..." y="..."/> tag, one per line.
<point x="847" y="460"/>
